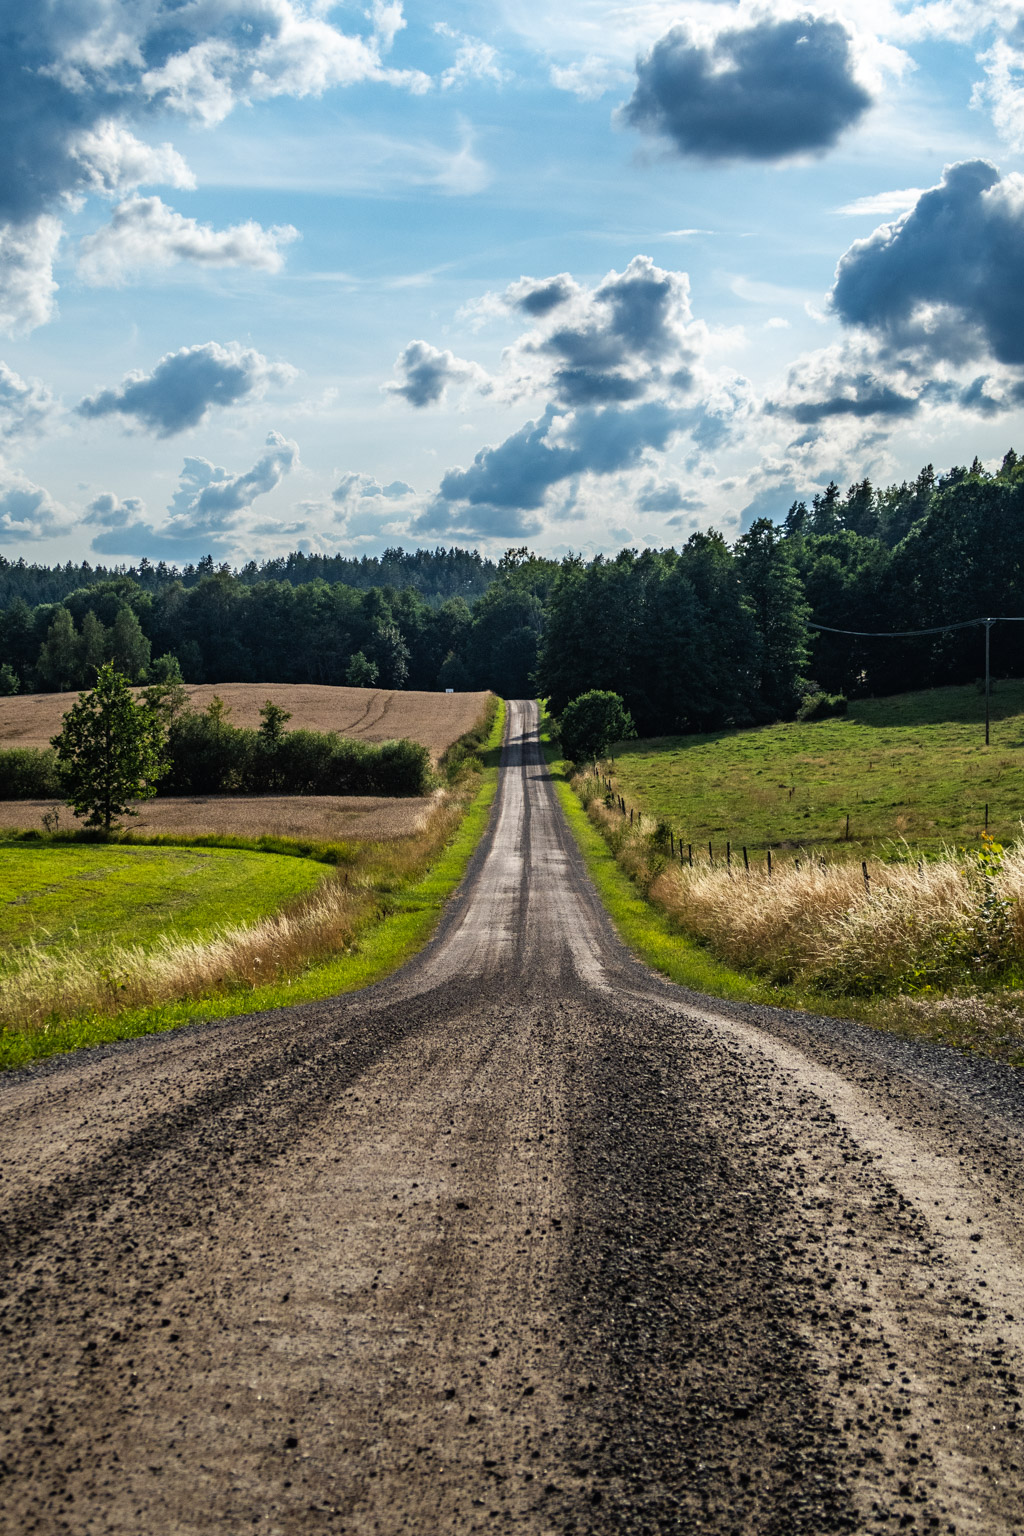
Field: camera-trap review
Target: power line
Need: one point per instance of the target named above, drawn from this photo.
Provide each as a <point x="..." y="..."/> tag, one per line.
<point x="900" y="634"/>
<point x="937" y="629"/>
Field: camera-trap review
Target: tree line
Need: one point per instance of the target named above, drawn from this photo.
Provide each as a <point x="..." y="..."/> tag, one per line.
<point x="695" y="638"/>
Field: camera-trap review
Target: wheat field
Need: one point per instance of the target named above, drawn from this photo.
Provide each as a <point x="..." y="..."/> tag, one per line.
<point x="369" y="714"/>
<point x="320" y="818"/>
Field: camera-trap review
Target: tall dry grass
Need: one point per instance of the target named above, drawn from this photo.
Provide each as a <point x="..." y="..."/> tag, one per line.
<point x="954" y="922"/>
<point x="43" y="982"/>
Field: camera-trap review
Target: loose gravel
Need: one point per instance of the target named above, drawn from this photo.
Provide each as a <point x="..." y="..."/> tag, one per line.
<point x="524" y="1238"/>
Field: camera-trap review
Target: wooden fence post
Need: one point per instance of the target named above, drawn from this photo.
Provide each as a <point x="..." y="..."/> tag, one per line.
<point x="746" y="862"/>
<point x="689" y="849"/>
<point x="867" y="877"/>
<point x="769" y="863"/>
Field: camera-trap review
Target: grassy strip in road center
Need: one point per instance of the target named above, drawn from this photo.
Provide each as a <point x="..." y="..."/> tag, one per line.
<point x="395" y="922"/>
<point x="991" y="1024"/>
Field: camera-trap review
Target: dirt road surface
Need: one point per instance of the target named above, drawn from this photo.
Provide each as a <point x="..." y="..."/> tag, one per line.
<point x="524" y="1239"/>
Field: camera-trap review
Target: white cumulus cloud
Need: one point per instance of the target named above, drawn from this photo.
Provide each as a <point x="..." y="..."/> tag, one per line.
<point x="144" y="232"/>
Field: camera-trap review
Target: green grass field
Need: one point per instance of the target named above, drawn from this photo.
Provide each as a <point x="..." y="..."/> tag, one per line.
<point x="914" y="766"/>
<point x="95" y="894"/>
<point x="990" y="1026"/>
<point x="407" y="883"/>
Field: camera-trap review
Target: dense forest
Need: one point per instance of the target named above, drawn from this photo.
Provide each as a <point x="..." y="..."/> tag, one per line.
<point x="693" y="638"/>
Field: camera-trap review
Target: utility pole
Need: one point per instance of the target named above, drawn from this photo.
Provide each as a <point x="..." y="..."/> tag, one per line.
<point x="988" y="673"/>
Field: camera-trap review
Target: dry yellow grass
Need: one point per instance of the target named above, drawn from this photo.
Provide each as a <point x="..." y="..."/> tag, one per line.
<point x="954" y="921"/>
<point x="321" y="818"/>
<point x="44" y="981"/>
<point x="370" y="714"/>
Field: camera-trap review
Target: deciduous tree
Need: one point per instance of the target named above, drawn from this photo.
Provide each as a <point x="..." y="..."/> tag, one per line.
<point x="592" y="722"/>
<point x="110" y="751"/>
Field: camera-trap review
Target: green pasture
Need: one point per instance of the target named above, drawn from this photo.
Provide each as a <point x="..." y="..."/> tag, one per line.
<point x="654" y="938"/>
<point x="399" y="923"/>
<point x="97" y="894"/>
<point x="914" y="766"/>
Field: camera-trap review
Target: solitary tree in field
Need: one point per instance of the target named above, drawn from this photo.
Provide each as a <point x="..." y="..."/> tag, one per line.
<point x="592" y="722"/>
<point x="110" y="751"/>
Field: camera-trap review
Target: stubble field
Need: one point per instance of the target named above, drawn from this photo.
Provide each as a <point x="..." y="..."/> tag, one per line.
<point x="316" y="818"/>
<point x="369" y="714"/>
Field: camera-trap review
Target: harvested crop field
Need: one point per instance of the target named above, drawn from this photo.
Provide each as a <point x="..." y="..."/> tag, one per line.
<point x="370" y="714"/>
<point x="322" y="818"/>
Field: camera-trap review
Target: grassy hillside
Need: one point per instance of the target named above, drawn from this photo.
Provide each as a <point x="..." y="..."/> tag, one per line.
<point x="93" y="895"/>
<point x="913" y="766"/>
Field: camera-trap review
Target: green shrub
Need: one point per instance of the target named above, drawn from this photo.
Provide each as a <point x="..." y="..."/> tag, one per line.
<point x="821" y="706"/>
<point x="29" y="773"/>
<point x="209" y="755"/>
<point x="464" y="754"/>
<point x="591" y="723"/>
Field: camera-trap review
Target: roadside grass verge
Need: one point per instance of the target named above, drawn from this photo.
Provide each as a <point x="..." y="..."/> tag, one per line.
<point x="359" y="924"/>
<point x="740" y="939"/>
<point x="914" y="766"/>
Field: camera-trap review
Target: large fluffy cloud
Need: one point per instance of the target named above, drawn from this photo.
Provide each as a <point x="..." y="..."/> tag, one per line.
<point x="144" y="232"/>
<point x="762" y="92"/>
<point x="73" y="77"/>
<point x="209" y="497"/>
<point x="108" y="511"/>
<point x="630" y="336"/>
<point x="27" y="286"/>
<point x="845" y="381"/>
<point x="519" y="472"/>
<point x="622" y="366"/>
<point x="946" y="279"/>
<point x="26" y="405"/>
<point x="184" y="386"/>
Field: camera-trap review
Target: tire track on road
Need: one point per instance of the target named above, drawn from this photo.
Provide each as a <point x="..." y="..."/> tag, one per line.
<point x="522" y="1238"/>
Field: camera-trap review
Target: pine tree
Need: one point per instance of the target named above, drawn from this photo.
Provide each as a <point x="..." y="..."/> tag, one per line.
<point x="776" y="596"/>
<point x="94" y="647"/>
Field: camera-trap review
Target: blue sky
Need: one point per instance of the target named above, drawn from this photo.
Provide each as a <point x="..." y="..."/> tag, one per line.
<point x="282" y="274"/>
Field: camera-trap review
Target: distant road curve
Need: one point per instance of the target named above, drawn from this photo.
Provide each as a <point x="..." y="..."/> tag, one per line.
<point x="523" y="1239"/>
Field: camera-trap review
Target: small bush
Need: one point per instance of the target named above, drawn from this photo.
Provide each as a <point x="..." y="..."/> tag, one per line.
<point x="822" y="706"/>
<point x="29" y="773"/>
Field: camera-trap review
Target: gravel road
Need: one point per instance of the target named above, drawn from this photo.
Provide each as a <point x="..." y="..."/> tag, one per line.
<point x="524" y="1238"/>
